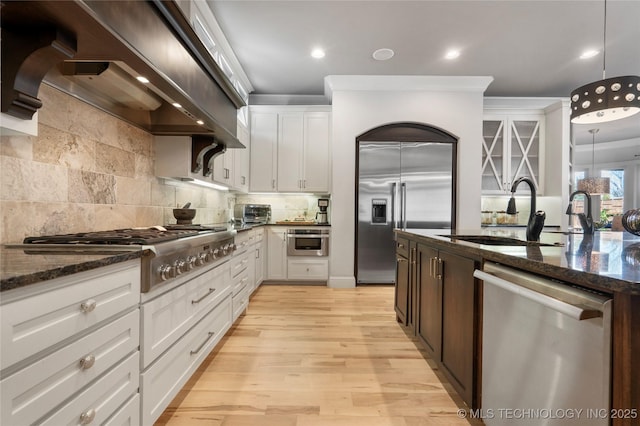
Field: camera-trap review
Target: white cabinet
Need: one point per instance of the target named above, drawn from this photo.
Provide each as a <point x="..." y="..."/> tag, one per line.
<point x="83" y="300"/>
<point x="70" y="348"/>
<point x="162" y="381"/>
<point x="241" y="161"/>
<point x="512" y="148"/>
<point x="264" y="150"/>
<point x="290" y="149"/>
<point x="231" y="169"/>
<point x="167" y="317"/>
<point x="260" y="243"/>
<point x="316" y="157"/>
<point x="222" y="168"/>
<point x="308" y="269"/>
<point x="241" y="285"/>
<point x="277" y="253"/>
<point x="180" y="327"/>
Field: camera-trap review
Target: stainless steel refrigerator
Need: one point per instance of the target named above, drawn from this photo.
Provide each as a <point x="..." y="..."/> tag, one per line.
<point x="400" y="185"/>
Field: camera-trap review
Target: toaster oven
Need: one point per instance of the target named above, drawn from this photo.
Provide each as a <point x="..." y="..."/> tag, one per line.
<point x="252" y="213"/>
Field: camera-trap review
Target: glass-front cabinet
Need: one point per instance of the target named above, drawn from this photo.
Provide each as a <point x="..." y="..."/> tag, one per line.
<point x="511" y="148"/>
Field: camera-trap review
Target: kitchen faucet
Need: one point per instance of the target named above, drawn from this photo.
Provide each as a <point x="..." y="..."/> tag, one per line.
<point x="586" y="222"/>
<point x="536" y="218"/>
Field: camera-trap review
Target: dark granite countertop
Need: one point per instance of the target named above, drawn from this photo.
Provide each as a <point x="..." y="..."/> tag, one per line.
<point x="608" y="261"/>
<point x="18" y="268"/>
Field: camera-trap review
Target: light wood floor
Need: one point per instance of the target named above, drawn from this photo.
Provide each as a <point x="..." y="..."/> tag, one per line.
<point x="311" y="356"/>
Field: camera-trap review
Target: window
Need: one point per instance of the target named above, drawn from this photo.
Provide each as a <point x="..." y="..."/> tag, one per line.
<point x="612" y="204"/>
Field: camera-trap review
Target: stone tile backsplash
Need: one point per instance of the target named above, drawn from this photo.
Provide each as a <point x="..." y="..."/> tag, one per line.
<point x="88" y="171"/>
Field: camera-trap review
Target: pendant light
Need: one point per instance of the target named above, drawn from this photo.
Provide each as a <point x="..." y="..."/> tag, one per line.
<point x="594" y="185"/>
<point x="607" y="99"/>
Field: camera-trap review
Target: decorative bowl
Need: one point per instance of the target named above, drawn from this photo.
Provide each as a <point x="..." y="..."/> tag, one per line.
<point x="631" y="221"/>
<point x="184" y="216"/>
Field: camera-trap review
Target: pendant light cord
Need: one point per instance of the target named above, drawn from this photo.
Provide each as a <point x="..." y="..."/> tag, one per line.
<point x="593" y="151"/>
<point x="604" y="42"/>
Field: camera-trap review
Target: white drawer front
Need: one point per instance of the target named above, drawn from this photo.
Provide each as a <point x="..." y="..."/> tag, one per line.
<point x="308" y="270"/>
<point x="169" y="316"/>
<point x="103" y="398"/>
<point x="239" y="264"/>
<point x="37" y="322"/>
<point x="164" y="379"/>
<point x="240" y="302"/>
<point x="240" y="282"/>
<point x="128" y="415"/>
<point x="31" y="392"/>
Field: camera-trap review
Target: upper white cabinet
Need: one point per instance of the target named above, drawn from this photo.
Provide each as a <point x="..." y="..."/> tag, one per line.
<point x="512" y="148"/>
<point x="290" y="149"/>
<point x="241" y="161"/>
<point x="264" y="151"/>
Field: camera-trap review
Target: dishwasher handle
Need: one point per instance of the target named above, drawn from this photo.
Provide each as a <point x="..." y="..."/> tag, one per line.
<point x="576" y="312"/>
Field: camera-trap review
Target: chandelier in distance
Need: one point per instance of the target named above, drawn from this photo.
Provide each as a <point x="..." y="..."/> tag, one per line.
<point x="607" y="99"/>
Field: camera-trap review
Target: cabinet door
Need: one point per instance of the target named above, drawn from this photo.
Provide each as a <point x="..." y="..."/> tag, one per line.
<point x="493" y="146"/>
<point x="277" y="254"/>
<point x="290" y="143"/>
<point x="402" y="289"/>
<point x="260" y="252"/>
<point x="241" y="161"/>
<point x="264" y="137"/>
<point x="315" y="163"/>
<point x="511" y="149"/>
<point x="458" y="311"/>
<point x="222" y="168"/>
<point x="524" y="150"/>
<point x="429" y="323"/>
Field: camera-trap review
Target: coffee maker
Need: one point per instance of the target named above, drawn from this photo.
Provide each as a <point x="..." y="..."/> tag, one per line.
<point x="322" y="217"/>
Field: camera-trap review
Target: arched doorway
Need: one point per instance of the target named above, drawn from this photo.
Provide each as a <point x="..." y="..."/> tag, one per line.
<point x="405" y="178"/>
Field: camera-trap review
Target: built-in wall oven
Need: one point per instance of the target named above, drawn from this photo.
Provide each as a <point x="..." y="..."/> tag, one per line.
<point x="307" y="242"/>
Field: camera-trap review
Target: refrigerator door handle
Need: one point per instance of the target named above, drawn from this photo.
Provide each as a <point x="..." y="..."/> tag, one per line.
<point x="403" y="205"/>
<point x="393" y="205"/>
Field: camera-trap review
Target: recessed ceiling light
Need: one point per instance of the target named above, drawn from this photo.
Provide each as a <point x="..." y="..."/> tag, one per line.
<point x="177" y="105"/>
<point x="142" y="79"/>
<point x="383" y="54"/>
<point x="452" y="54"/>
<point x="317" y="53"/>
<point x="589" y="54"/>
<point x="200" y="122"/>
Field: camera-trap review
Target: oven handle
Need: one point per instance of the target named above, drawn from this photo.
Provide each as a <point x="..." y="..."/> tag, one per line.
<point x="307" y="235"/>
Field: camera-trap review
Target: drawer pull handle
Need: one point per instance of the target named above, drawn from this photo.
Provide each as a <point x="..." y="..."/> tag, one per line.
<point x="211" y="290"/>
<point x="88" y="306"/>
<point x="87" y="417"/>
<point x="209" y="336"/>
<point x="87" y="362"/>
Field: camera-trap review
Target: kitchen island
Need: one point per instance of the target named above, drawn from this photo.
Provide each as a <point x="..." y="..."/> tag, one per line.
<point x="608" y="263"/>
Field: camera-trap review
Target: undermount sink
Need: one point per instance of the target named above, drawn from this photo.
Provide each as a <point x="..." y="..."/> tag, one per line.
<point x="493" y="240"/>
<point x="563" y="232"/>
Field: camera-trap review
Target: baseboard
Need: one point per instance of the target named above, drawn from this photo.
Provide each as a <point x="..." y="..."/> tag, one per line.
<point x="342" y="282"/>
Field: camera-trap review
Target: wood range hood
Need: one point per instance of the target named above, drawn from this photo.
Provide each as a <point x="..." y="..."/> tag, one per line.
<point x="95" y="49"/>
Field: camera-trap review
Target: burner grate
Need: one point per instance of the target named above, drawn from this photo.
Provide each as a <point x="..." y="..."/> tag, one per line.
<point x="118" y="236"/>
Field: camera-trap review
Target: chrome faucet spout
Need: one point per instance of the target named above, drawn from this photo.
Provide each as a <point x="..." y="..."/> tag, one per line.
<point x="586" y="221"/>
<point x="536" y="218"/>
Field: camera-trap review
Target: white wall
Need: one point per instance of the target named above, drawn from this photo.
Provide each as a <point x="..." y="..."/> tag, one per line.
<point x="360" y="103"/>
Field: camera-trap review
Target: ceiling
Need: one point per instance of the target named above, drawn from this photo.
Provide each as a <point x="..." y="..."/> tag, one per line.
<point x="531" y="48"/>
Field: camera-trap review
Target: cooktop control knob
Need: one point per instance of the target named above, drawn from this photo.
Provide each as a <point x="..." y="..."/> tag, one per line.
<point x="234" y="247"/>
<point x="166" y="271"/>
<point x="216" y="253"/>
<point x="191" y="262"/>
<point x="202" y="258"/>
<point x="179" y="265"/>
<point x="225" y="249"/>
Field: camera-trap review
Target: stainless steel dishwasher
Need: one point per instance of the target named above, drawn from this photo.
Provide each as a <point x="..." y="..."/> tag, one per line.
<point x="546" y="351"/>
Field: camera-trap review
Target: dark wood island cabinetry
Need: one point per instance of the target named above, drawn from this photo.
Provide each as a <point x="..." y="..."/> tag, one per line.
<point x="448" y="301"/>
<point x="437" y="299"/>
